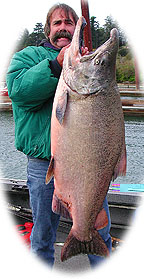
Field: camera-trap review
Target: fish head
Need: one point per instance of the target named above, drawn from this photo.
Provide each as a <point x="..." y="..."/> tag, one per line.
<point x="93" y="72"/>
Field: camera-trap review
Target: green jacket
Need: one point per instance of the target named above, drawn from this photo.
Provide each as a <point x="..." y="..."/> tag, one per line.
<point x="31" y="86"/>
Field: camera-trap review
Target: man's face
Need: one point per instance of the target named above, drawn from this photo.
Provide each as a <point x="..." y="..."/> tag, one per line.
<point x="61" y="29"/>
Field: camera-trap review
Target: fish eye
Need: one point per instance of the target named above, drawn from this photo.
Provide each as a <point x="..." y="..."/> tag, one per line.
<point x="97" y="61"/>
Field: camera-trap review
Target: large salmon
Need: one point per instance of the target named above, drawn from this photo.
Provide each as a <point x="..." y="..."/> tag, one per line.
<point x="87" y="142"/>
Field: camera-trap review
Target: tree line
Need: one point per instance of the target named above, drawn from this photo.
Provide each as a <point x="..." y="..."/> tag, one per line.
<point x="99" y="33"/>
<point x="125" y="70"/>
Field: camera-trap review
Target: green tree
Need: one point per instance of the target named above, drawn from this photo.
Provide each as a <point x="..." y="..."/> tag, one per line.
<point x="38" y="33"/>
<point x="101" y="34"/>
<point x="108" y="26"/>
<point x="22" y="40"/>
<point x="32" y="39"/>
<point x="125" y="70"/>
<point x="97" y="33"/>
<point x="110" y="23"/>
<point x="94" y="26"/>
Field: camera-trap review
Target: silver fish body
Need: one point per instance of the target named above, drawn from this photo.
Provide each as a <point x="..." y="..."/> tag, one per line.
<point x="87" y="142"/>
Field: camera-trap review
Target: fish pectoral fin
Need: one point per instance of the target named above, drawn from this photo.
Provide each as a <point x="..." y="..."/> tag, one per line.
<point x="101" y="220"/>
<point x="50" y="171"/>
<point x="61" y="107"/>
<point x="120" y="168"/>
<point x="73" y="246"/>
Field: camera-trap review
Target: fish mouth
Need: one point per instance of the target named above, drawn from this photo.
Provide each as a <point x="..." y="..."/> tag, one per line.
<point x="90" y="73"/>
<point x="77" y="42"/>
<point x="83" y="24"/>
<point x="108" y="47"/>
<point x="114" y="34"/>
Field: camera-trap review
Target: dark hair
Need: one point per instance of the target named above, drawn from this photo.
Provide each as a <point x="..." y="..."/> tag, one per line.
<point x="67" y="9"/>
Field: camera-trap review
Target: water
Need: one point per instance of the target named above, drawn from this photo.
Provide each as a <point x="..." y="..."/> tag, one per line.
<point x="13" y="163"/>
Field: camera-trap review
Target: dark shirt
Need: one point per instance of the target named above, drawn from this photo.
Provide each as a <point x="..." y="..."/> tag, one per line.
<point x="54" y="65"/>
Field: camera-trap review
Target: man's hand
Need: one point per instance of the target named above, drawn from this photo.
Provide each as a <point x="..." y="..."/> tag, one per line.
<point x="84" y="51"/>
<point x="60" y="56"/>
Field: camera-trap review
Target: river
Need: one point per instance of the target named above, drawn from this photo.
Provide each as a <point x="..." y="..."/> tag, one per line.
<point x="13" y="163"/>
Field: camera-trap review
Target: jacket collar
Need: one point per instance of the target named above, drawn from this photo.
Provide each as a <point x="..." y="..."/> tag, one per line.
<point x="46" y="43"/>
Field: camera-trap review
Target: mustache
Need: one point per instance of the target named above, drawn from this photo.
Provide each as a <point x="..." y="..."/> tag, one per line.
<point x="61" y="34"/>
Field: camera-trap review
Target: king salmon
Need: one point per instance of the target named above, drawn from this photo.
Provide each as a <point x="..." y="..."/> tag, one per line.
<point x="87" y="142"/>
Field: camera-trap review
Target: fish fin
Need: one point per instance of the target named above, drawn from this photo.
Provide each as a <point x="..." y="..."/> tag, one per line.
<point x="50" y="171"/>
<point x="61" y="107"/>
<point x="101" y="220"/>
<point x="73" y="246"/>
<point x="120" y="168"/>
<point x="58" y="207"/>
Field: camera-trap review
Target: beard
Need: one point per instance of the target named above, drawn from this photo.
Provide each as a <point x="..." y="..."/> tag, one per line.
<point x="61" y="34"/>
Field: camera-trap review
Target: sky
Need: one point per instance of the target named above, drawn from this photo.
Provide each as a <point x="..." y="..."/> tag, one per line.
<point x="31" y="14"/>
<point x="41" y="16"/>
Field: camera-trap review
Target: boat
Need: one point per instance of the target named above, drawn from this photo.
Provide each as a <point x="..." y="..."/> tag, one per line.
<point x="5" y="101"/>
<point x="4" y="92"/>
<point x="122" y="205"/>
<point x="132" y="101"/>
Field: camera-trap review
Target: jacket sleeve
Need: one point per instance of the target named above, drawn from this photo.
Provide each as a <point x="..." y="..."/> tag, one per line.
<point x="30" y="81"/>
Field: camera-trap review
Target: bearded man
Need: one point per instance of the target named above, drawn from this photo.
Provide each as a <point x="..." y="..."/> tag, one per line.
<point x="32" y="79"/>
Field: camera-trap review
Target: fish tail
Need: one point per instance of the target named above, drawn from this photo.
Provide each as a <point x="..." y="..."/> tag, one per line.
<point x="73" y="246"/>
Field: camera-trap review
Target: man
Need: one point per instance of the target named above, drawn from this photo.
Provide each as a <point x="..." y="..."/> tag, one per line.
<point x="32" y="79"/>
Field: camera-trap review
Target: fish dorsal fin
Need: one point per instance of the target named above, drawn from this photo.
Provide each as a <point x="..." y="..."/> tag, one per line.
<point x="61" y="106"/>
<point x="50" y="171"/>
